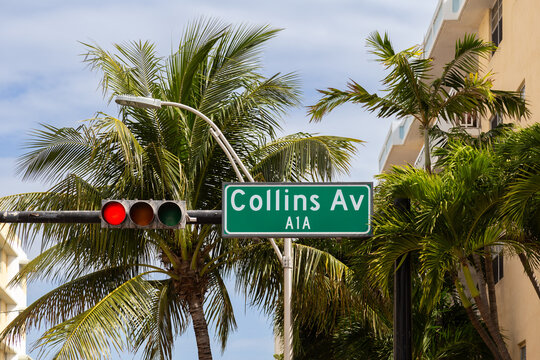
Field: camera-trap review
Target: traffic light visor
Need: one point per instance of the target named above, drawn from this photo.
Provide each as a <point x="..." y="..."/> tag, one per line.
<point x="170" y="214"/>
<point x="113" y="213"/>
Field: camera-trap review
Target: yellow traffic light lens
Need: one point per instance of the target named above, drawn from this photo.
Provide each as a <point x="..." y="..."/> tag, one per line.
<point x="170" y="214"/>
<point x="141" y="213"/>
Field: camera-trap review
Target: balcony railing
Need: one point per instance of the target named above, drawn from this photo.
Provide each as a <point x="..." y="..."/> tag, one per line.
<point x="446" y="10"/>
<point x="469" y="121"/>
<point x="396" y="136"/>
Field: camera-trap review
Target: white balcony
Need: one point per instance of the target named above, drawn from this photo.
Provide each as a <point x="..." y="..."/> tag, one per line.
<point x="446" y="10"/>
<point x="401" y="145"/>
<point x="451" y="21"/>
<point x="13" y="297"/>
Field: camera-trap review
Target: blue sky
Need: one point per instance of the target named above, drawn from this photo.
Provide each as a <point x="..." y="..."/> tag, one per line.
<point x="43" y="80"/>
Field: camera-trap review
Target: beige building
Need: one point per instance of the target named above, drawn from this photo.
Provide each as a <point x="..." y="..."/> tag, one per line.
<point x="510" y="24"/>
<point x="12" y="298"/>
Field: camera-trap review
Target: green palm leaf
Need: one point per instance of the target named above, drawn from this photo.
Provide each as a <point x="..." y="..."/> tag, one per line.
<point x="320" y="157"/>
<point x="106" y="325"/>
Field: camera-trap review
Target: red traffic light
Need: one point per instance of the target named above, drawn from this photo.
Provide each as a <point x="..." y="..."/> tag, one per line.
<point x="143" y="214"/>
<point x="113" y="213"/>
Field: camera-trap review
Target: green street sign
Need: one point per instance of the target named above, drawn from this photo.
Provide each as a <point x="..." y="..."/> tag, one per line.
<point x="297" y="209"/>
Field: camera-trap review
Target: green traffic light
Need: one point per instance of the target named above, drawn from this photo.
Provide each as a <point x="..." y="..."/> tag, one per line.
<point x="170" y="214"/>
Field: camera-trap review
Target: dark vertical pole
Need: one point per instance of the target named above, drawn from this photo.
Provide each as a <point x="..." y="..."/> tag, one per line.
<point x="402" y="300"/>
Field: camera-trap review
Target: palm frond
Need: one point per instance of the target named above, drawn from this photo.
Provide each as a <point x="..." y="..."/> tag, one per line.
<point x="167" y="319"/>
<point x="55" y="150"/>
<point x="68" y="300"/>
<point x="143" y="64"/>
<point x="105" y="326"/>
<point x="219" y="309"/>
<point x="296" y="156"/>
<point x="468" y="51"/>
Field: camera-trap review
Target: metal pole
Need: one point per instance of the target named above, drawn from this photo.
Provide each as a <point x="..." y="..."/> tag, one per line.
<point x="402" y="300"/>
<point x="91" y="217"/>
<point x="287" y="296"/>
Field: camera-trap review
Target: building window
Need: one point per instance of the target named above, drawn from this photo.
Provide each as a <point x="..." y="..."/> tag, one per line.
<point x="469" y="120"/>
<point x="498" y="267"/>
<point x="402" y="131"/>
<point x="522" y="351"/>
<point x="495" y="121"/>
<point x="496" y="23"/>
<point x="455" y="5"/>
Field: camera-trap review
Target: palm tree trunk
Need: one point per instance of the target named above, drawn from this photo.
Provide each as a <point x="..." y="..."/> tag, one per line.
<point x="483" y="333"/>
<point x="492" y="327"/>
<point x="485" y="312"/>
<point x="427" y="150"/>
<point x="481" y="279"/>
<point x="200" y="326"/>
<point x="491" y="286"/>
<point x="475" y="320"/>
<point x="530" y="273"/>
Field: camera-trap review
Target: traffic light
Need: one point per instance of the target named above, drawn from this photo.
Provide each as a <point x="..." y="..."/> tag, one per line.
<point x="143" y="214"/>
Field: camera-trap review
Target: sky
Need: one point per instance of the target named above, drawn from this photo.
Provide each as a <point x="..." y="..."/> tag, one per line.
<point x="43" y="80"/>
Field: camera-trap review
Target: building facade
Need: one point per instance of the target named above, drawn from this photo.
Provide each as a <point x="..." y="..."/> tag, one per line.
<point x="515" y="65"/>
<point x="12" y="298"/>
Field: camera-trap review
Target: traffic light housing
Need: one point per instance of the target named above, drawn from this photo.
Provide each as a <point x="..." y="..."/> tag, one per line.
<point x="143" y="214"/>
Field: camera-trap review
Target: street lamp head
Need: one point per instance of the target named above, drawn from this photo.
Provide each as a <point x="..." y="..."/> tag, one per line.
<point x="138" y="101"/>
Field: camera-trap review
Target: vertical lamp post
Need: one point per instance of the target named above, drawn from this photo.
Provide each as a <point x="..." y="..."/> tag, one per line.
<point x="241" y="171"/>
<point x="402" y="299"/>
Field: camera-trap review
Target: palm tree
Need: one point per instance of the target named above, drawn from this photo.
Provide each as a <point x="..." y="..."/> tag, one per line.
<point x="137" y="290"/>
<point x="364" y="329"/>
<point x="517" y="161"/>
<point x="453" y="228"/>
<point x="412" y="91"/>
<point x="521" y="211"/>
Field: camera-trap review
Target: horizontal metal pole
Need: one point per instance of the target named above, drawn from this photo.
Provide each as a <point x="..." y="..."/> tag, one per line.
<point x="91" y="217"/>
<point x="205" y="216"/>
<point x="68" y="217"/>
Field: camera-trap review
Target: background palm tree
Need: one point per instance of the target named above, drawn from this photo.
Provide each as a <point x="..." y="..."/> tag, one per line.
<point x="516" y="157"/>
<point x="411" y="89"/>
<point x="520" y="154"/>
<point x="357" y="323"/>
<point x="453" y="228"/>
<point x="521" y="149"/>
<point x="134" y="289"/>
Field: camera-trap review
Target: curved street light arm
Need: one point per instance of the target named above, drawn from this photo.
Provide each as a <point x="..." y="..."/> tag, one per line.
<point x="286" y="258"/>
<point x="229" y="156"/>
<point x="218" y="135"/>
<point x="234" y="159"/>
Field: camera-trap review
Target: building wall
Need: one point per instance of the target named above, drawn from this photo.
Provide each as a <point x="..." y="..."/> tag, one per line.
<point x="519" y="310"/>
<point x="517" y="61"/>
<point x="12" y="298"/>
<point x="517" y="57"/>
